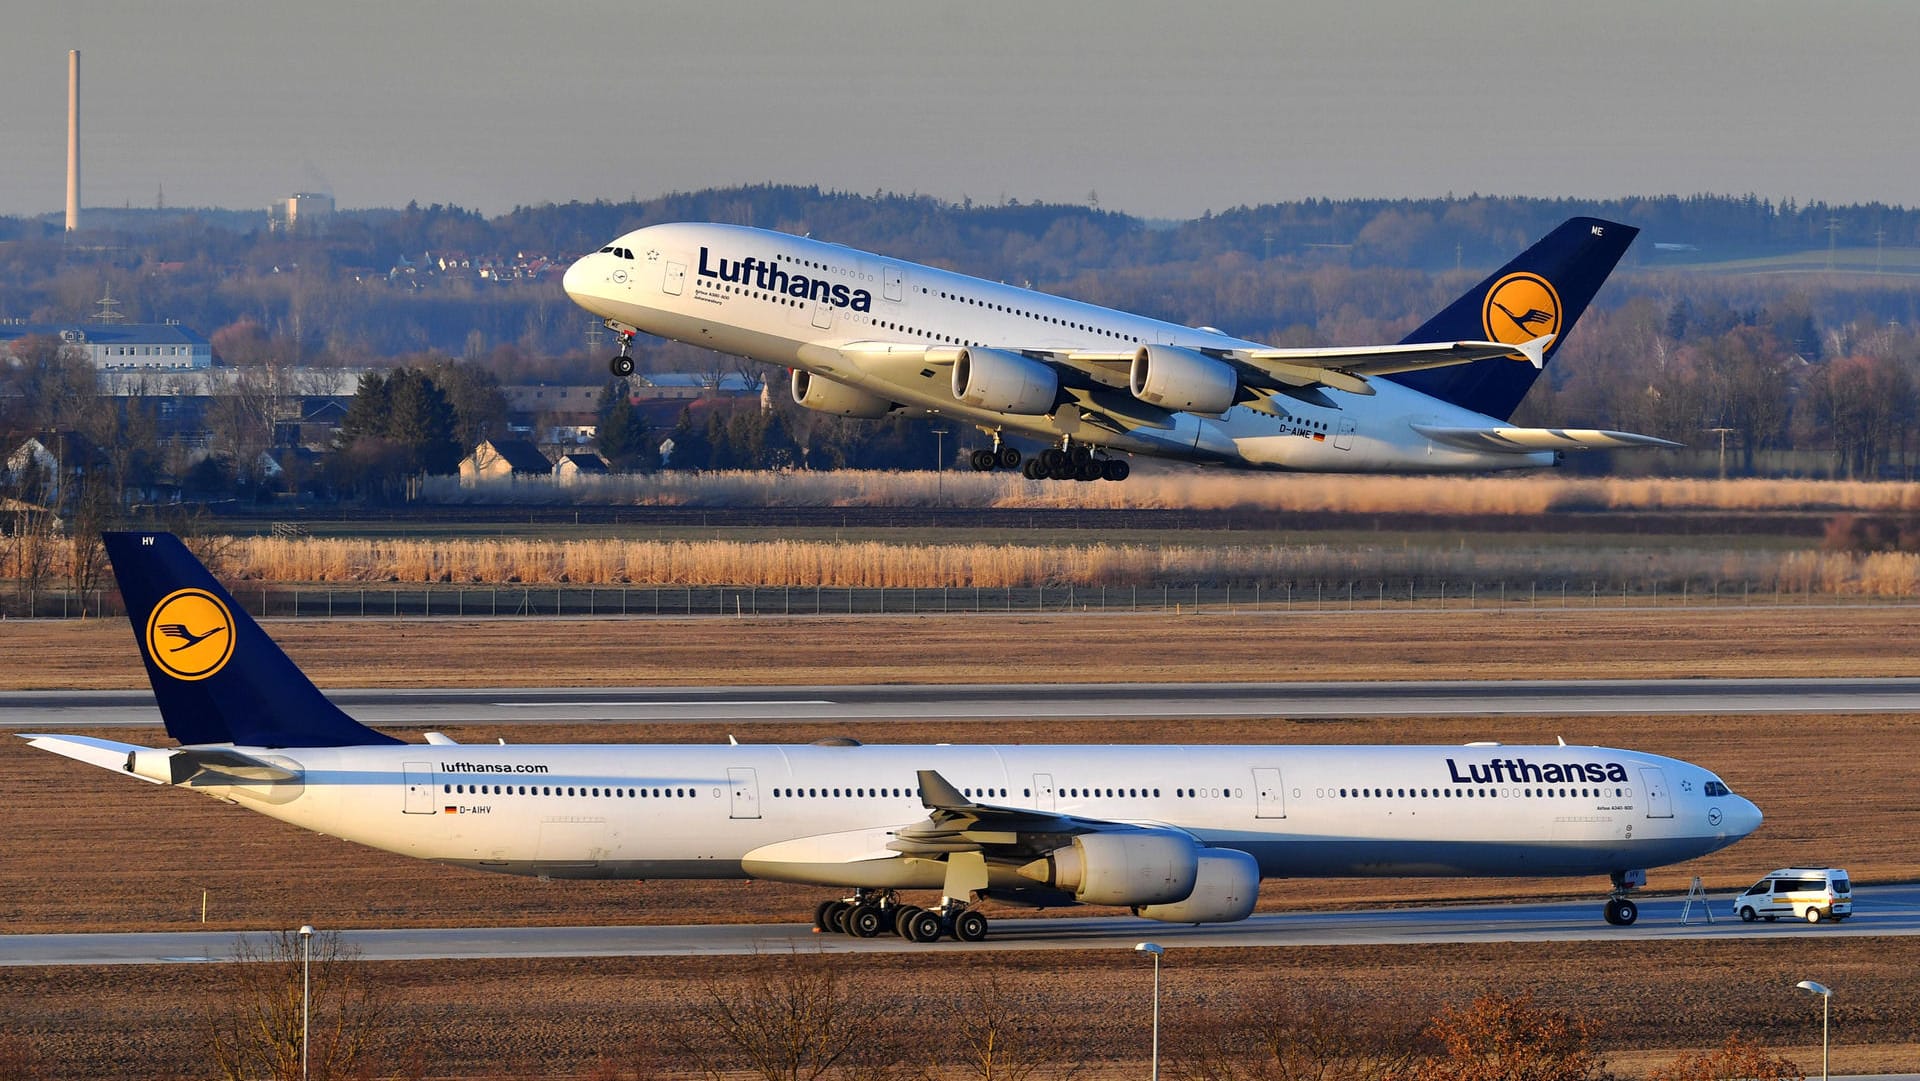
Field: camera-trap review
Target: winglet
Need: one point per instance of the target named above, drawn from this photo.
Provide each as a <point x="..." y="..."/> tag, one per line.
<point x="1536" y="351"/>
<point x="938" y="794"/>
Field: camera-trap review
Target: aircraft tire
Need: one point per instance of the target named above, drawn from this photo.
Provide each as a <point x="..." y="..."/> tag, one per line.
<point x="984" y="460"/>
<point x="902" y="918"/>
<point x="1053" y="458"/>
<point x="1009" y="457"/>
<point x="821" y="916"/>
<point x="621" y="366"/>
<point x="837" y="917"/>
<point x="970" y="926"/>
<point x="1621" y="912"/>
<point x="864" y="921"/>
<point x="1114" y="469"/>
<point x="1030" y="469"/>
<point x="1086" y="469"/>
<point x="923" y="927"/>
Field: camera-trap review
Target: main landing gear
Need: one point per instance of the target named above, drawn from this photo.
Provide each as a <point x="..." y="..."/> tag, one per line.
<point x="1074" y="462"/>
<point x="871" y="913"/>
<point x="1620" y="911"/>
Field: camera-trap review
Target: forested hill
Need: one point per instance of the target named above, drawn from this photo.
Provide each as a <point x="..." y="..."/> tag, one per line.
<point x="377" y="285"/>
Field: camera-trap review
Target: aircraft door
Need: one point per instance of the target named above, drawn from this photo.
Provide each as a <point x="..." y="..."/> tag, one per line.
<point x="1043" y="791"/>
<point x="1268" y="800"/>
<point x="823" y="314"/>
<point x="893" y="286"/>
<point x="1343" y="435"/>
<point x="746" y="792"/>
<point x="420" y="786"/>
<point x="1659" y="799"/>
<point x="675" y="282"/>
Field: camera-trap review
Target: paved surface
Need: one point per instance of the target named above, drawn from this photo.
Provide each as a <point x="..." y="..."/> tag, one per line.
<point x="1880" y="911"/>
<point x="55" y="711"/>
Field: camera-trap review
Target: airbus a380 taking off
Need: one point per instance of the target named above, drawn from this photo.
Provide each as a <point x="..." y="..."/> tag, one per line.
<point x="866" y="336"/>
<point x="1180" y="834"/>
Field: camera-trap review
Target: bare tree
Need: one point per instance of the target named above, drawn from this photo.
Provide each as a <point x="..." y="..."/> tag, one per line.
<point x="996" y="1040"/>
<point x="254" y="1030"/>
<point x="1280" y="1034"/>
<point x="792" y="1018"/>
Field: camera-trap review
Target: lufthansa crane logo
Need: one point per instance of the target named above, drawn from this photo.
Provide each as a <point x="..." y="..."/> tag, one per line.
<point x="190" y="634"/>
<point x="1519" y="308"/>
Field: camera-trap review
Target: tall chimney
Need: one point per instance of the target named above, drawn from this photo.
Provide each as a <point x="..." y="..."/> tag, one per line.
<point x="73" y="140"/>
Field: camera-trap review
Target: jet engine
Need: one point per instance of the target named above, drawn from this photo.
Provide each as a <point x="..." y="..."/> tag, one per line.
<point x="1146" y="867"/>
<point x="1182" y="380"/>
<point x="826" y="396"/>
<point x="1224" y="891"/>
<point x="1003" y="382"/>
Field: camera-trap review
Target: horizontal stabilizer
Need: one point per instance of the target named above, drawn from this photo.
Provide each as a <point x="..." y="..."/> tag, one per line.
<point x="1529" y="440"/>
<point x="104" y="753"/>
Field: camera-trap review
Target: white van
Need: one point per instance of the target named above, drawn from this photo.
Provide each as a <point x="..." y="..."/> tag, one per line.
<point x="1804" y="893"/>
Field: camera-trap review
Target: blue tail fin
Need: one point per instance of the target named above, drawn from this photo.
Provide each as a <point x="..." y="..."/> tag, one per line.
<point x="216" y="674"/>
<point x="1543" y="291"/>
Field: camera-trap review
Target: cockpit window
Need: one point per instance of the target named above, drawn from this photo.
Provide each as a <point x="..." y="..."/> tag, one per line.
<point x="603" y="251"/>
<point x="1715" y="788"/>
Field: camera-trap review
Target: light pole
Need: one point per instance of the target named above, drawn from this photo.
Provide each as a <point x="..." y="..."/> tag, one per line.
<point x="306" y="966"/>
<point x="1156" y="950"/>
<point x="1826" y="999"/>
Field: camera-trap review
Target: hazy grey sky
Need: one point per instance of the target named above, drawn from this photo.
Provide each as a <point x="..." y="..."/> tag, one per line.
<point x="1163" y="112"/>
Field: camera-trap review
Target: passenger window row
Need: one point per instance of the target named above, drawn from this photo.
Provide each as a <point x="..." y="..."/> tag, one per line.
<point x="565" y="790"/>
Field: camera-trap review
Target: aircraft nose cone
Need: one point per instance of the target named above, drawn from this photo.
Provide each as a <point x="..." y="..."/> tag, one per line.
<point x="575" y="280"/>
<point x="1743" y="818"/>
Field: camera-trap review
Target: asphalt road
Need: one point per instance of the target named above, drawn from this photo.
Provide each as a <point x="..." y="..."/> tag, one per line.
<point x="1879" y="911"/>
<point x="66" y="710"/>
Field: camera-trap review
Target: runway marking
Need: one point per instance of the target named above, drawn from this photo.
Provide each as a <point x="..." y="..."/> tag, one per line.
<point x="649" y="703"/>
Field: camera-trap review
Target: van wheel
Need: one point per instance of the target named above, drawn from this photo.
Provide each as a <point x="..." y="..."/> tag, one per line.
<point x="1746" y="913"/>
<point x="1813" y="915"/>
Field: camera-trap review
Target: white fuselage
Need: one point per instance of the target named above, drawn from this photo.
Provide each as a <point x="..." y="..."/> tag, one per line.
<point x="797" y="303"/>
<point x="824" y="814"/>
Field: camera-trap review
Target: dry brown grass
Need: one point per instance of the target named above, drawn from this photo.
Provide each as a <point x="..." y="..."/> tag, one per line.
<point x="1194" y="489"/>
<point x="872" y="564"/>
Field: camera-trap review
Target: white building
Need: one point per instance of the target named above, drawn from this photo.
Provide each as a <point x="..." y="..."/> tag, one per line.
<point x="154" y="347"/>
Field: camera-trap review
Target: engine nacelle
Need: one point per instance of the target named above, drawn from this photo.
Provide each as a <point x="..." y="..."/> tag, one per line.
<point x="1225" y="890"/>
<point x="1149" y="867"/>
<point x="826" y="396"/>
<point x="1003" y="382"/>
<point x="1181" y="379"/>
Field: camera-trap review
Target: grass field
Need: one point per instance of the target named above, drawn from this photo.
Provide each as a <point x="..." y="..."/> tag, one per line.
<point x="85" y="850"/>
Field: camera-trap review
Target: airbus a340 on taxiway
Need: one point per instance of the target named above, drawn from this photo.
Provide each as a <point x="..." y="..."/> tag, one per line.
<point x="1183" y="834"/>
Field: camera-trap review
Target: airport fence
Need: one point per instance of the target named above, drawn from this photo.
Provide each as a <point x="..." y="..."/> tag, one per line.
<point x="400" y="601"/>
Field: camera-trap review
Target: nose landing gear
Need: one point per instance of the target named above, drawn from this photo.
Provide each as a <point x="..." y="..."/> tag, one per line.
<point x="1620" y="910"/>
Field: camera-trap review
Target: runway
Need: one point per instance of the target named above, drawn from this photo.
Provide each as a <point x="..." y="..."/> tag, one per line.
<point x="1879" y="911"/>
<point x="67" y="710"/>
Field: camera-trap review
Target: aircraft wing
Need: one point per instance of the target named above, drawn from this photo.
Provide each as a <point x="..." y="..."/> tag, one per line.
<point x="958" y="823"/>
<point x="1350" y="369"/>
<point x="1528" y="440"/>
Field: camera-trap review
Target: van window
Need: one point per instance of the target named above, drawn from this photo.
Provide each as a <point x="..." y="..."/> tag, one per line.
<point x="1803" y="885"/>
<point x="1765" y="885"/>
<point x="1842" y="886"/>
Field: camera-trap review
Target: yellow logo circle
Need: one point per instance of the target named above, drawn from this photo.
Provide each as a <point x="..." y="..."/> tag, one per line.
<point x="190" y="634"/>
<point x="1519" y="308"/>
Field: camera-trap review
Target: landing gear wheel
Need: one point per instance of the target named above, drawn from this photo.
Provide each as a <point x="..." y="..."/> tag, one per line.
<point x="864" y="921"/>
<point x="621" y="366"/>
<point x="1009" y="457"/>
<point x="1114" y="469"/>
<point x="923" y="926"/>
<point x="822" y="922"/>
<point x="983" y="460"/>
<point x="843" y="918"/>
<point x="970" y="926"/>
<point x="832" y="916"/>
<point x="902" y="916"/>
<point x="1621" y="912"/>
<point x="1087" y="469"/>
<point x="1747" y="914"/>
<point x="1052" y="459"/>
<point x="1032" y="470"/>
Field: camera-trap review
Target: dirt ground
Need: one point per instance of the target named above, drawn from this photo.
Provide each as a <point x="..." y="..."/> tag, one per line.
<point x="81" y="849"/>
<point x="1514" y="643"/>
